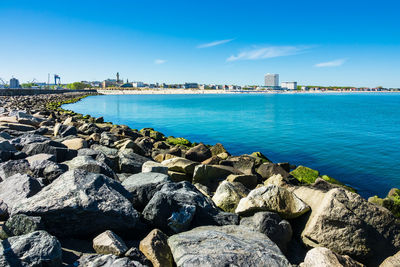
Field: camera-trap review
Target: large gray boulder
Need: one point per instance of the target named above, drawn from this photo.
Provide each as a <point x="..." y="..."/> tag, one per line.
<point x="272" y="198"/>
<point x="6" y="146"/>
<point x="79" y="203"/>
<point x="17" y="188"/>
<point x="3" y="210"/>
<point x="321" y="256"/>
<point x="47" y="169"/>
<point x="26" y="139"/>
<point x="178" y="207"/>
<point x="20" y="224"/>
<point x="272" y="225"/>
<point x="88" y="152"/>
<point x="106" y="261"/>
<point x="89" y="128"/>
<point x="349" y="225"/>
<point x="12" y="167"/>
<point x="130" y="162"/>
<point x="41" y="157"/>
<point x="108" y="139"/>
<point x="87" y="163"/>
<point x="145" y="144"/>
<point x="108" y="153"/>
<point x="225" y="246"/>
<point x="143" y="186"/>
<point x="112" y="153"/>
<point x="26" y="118"/>
<point x="60" y="151"/>
<point x="34" y="249"/>
<point x="64" y="130"/>
<point x="18" y="127"/>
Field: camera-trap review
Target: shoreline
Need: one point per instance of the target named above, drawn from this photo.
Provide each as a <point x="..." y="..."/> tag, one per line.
<point x="222" y="92"/>
<point x="109" y="184"/>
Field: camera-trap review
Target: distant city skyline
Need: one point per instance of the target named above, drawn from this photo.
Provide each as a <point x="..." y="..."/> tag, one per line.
<point x="345" y="43"/>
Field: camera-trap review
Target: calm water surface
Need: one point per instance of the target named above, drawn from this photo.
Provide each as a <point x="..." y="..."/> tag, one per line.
<point x="352" y="137"/>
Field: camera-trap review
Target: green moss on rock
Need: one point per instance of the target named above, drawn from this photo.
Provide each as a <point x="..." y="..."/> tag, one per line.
<point x="260" y="157"/>
<point x="57" y="105"/>
<point x="305" y="174"/>
<point x="376" y="200"/>
<point x="150" y="132"/>
<point x="334" y="181"/>
<point x="158" y="136"/>
<point x="178" y="141"/>
<point x="391" y="202"/>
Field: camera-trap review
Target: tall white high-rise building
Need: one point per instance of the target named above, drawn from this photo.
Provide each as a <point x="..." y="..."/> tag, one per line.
<point x="272" y="80"/>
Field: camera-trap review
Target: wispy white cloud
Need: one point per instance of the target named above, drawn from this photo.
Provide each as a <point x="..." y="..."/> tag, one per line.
<point x="159" y="61"/>
<point x="268" y="52"/>
<point x="215" y="43"/>
<point x="333" y="63"/>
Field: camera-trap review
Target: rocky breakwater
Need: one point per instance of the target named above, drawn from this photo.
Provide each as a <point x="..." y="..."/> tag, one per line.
<point x="75" y="190"/>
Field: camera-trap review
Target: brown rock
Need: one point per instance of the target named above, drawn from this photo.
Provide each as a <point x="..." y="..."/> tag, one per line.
<point x="109" y="243"/>
<point x="161" y="157"/>
<point x="321" y="256"/>
<point x="178" y="164"/>
<point x="75" y="143"/>
<point x="95" y="137"/>
<point x="155" y="247"/>
<point x="391" y="261"/>
<point x="179" y="176"/>
<point x="249" y="181"/>
<point x="198" y="153"/>
<point x="223" y="155"/>
<point x="217" y="149"/>
<point x="267" y="170"/>
<point x="214" y="160"/>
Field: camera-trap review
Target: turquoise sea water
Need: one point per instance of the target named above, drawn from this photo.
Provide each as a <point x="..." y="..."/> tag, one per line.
<point x="352" y="137"/>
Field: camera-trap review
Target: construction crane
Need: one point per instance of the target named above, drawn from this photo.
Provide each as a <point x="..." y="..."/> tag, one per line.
<point x="3" y="82"/>
<point x="34" y="80"/>
<point x="34" y="83"/>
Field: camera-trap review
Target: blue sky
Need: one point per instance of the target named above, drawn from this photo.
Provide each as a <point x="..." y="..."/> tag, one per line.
<point x="338" y="42"/>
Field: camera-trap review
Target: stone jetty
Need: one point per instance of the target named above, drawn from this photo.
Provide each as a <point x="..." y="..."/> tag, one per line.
<point x="78" y="191"/>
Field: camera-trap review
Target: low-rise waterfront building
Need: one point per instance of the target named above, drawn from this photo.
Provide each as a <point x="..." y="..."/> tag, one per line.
<point x="289" y="85"/>
<point x="138" y="84"/>
<point x="126" y="85"/>
<point x="191" y="85"/>
<point x="234" y="87"/>
<point x="109" y="83"/>
<point x="95" y="84"/>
